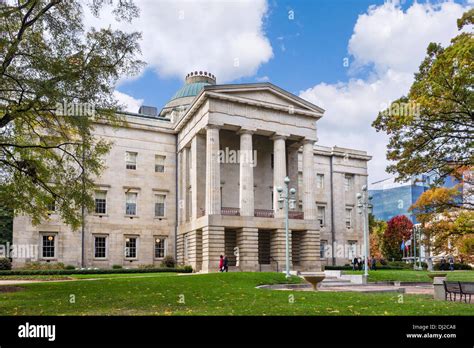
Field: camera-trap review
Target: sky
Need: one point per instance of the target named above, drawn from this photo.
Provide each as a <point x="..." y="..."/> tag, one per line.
<point x="350" y="57"/>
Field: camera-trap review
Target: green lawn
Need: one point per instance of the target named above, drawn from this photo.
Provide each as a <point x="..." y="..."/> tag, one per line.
<point x="413" y="276"/>
<point x="208" y="294"/>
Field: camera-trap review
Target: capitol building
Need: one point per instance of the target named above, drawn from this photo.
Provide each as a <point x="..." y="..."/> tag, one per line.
<point x="198" y="179"/>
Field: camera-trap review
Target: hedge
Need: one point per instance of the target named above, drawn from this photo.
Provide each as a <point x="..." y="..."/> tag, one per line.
<point x="457" y="266"/>
<point x="186" y="269"/>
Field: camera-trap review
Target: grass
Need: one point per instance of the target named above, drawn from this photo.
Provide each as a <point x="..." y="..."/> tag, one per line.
<point x="208" y="294"/>
<point x="413" y="276"/>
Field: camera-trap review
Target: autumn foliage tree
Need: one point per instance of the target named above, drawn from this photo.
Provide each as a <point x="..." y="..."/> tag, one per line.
<point x="448" y="227"/>
<point x="398" y="228"/>
<point x="376" y="230"/>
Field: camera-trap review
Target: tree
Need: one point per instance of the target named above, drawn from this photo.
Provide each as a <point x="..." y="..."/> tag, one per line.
<point x="56" y="81"/>
<point x="376" y="231"/>
<point x="431" y="130"/>
<point x="399" y="228"/>
<point x="6" y="225"/>
<point x="447" y="226"/>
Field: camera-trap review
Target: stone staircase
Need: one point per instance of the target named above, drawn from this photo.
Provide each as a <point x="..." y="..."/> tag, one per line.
<point x="337" y="278"/>
<point x="334" y="281"/>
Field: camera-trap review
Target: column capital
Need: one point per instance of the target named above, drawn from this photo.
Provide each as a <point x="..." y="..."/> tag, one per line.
<point x="279" y="136"/>
<point x="308" y="141"/>
<point x="247" y="131"/>
<point x="212" y="126"/>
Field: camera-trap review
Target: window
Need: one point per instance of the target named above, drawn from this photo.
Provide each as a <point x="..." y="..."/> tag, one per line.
<point x="131" y="160"/>
<point x="100" y="202"/>
<point x="160" y="205"/>
<point x="273" y="202"/>
<point x="51" y="205"/>
<point x="351" y="252"/>
<point x="48" y="245"/>
<point x="320" y="181"/>
<point x="160" y="247"/>
<point x="349" y="217"/>
<point x="100" y="247"/>
<point x="322" y="216"/>
<point x="348" y="180"/>
<point x="131" y="203"/>
<point x="159" y="164"/>
<point x="322" y="249"/>
<point x="131" y="247"/>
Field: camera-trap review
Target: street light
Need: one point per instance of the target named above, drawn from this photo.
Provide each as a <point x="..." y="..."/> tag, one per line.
<point x="364" y="208"/>
<point x="286" y="200"/>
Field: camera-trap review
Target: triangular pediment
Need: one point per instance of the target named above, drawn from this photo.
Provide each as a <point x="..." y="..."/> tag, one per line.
<point x="266" y="93"/>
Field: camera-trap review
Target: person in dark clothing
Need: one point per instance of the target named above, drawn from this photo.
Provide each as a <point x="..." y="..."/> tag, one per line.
<point x="226" y="264"/>
<point x="355" y="264"/>
<point x="373" y="263"/>
<point x="451" y="263"/>
<point x="442" y="265"/>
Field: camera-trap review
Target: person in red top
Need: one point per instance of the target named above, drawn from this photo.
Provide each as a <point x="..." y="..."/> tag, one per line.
<point x="221" y="264"/>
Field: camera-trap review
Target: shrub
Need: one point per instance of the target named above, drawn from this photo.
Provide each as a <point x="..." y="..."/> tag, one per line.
<point x="43" y="265"/>
<point x="5" y="263"/>
<point x="188" y="269"/>
<point x="146" y="266"/>
<point x="93" y="271"/>
<point x="70" y="267"/>
<point x="168" y="261"/>
<point x="117" y="267"/>
<point x="457" y="267"/>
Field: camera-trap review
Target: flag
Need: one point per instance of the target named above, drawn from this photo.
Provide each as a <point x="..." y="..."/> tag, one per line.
<point x="402" y="247"/>
<point x="408" y="243"/>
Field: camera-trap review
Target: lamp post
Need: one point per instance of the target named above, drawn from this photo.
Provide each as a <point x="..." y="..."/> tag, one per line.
<point x="286" y="201"/>
<point x="417" y="230"/>
<point x="364" y="208"/>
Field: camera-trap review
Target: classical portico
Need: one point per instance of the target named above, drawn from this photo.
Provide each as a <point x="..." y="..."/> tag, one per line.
<point x="236" y="144"/>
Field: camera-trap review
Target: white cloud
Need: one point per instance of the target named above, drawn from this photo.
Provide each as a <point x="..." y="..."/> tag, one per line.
<point x="392" y="38"/>
<point x="128" y="102"/>
<point x="391" y="43"/>
<point x="262" y="78"/>
<point x="182" y="36"/>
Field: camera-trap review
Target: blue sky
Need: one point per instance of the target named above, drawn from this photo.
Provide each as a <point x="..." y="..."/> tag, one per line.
<point x="307" y="50"/>
<point x="301" y="46"/>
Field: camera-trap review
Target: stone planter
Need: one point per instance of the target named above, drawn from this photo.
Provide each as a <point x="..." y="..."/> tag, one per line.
<point x="314" y="279"/>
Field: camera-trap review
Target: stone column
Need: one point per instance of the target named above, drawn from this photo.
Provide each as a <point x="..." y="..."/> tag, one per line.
<point x="213" y="173"/>
<point x="246" y="189"/>
<point x="194" y="240"/>
<point x="279" y="171"/>
<point x="247" y="243"/>
<point x="278" y="247"/>
<point x="213" y="245"/>
<point x="180" y="187"/>
<point x="309" y="181"/>
<point x="185" y="183"/>
<point x="309" y="251"/>
<point x="198" y="175"/>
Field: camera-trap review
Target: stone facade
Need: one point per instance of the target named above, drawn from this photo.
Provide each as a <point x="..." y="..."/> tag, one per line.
<point x="199" y="181"/>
